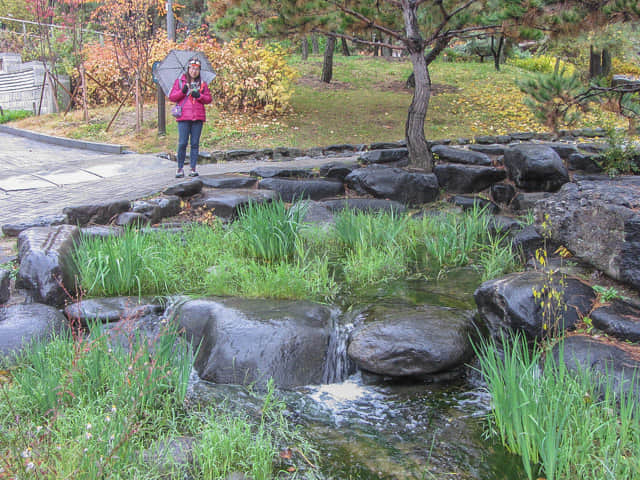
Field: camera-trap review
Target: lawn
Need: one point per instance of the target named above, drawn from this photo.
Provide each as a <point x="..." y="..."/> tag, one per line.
<point x="365" y="102"/>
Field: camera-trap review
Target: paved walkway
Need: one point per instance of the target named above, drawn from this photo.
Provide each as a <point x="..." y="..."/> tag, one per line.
<point x="41" y="179"/>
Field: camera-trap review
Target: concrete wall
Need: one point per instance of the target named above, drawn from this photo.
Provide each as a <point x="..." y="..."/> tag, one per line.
<point x="21" y="85"/>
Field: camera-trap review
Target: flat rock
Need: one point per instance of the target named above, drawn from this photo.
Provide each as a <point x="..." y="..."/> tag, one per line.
<point x="111" y="309"/>
<point x="226" y="203"/>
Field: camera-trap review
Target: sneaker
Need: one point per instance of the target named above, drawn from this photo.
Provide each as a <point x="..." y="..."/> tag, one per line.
<point x="193" y="173"/>
<point x="180" y="173"/>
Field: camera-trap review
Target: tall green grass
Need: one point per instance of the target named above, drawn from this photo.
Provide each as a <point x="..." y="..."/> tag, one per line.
<point x="269" y="252"/>
<point x="563" y="425"/>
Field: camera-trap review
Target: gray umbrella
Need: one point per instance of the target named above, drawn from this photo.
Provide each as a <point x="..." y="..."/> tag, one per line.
<point x="175" y="64"/>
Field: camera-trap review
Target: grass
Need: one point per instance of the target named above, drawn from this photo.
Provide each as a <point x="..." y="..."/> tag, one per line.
<point x="81" y="407"/>
<point x="469" y="99"/>
<point x="268" y="252"/>
<point x="563" y="425"/>
<point x="11" y="115"/>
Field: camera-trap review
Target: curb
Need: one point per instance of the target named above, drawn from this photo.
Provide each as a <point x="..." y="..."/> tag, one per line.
<point x="64" y="142"/>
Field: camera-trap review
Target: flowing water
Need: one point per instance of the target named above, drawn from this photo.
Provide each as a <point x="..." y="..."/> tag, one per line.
<point x="411" y="430"/>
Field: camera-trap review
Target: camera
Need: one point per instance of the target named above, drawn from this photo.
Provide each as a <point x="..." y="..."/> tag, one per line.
<point x="194" y="86"/>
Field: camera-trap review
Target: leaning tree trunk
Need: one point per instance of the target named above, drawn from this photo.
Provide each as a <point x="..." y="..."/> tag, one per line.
<point x="305" y="47"/>
<point x="419" y="153"/>
<point x="315" y="49"/>
<point x="327" y="65"/>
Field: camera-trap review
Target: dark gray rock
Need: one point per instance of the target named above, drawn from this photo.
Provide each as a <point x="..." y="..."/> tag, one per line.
<point x="522" y="136"/>
<point x="486" y="139"/>
<point x="228" y="181"/>
<point x="100" y="214"/>
<point x="387" y="145"/>
<point x="338" y="170"/>
<point x="315" y="189"/>
<point x="364" y="205"/>
<point x="20" y="325"/>
<point x="390" y="155"/>
<point x="584" y="162"/>
<point x="502" y="193"/>
<point x="317" y="213"/>
<point x="226" y="203"/>
<point x="245" y="341"/>
<point x="413" y="342"/>
<point x="499" y="224"/>
<point x="491" y="149"/>
<point x="535" y="167"/>
<point x="396" y="184"/>
<point x="270" y="172"/>
<point x="457" y="178"/>
<point x="619" y="319"/>
<point x="470" y="202"/>
<point x="609" y="363"/>
<point x="155" y="209"/>
<point x="524" y="201"/>
<point x="527" y="241"/>
<point x="5" y="283"/>
<point x="460" y="155"/>
<point x="593" y="147"/>
<point x="46" y="263"/>
<point x="507" y="304"/>
<point x="132" y="219"/>
<point x="565" y="150"/>
<point x="112" y="309"/>
<point x="101" y="231"/>
<point x="14" y="229"/>
<point x="343" y="147"/>
<point x="185" y="189"/>
<point x="599" y="222"/>
<point x="241" y="154"/>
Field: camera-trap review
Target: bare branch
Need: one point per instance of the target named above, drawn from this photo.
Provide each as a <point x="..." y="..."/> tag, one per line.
<point x="369" y="22"/>
<point x="359" y="40"/>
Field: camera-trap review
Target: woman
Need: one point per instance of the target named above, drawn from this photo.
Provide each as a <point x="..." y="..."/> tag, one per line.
<point x="192" y="94"/>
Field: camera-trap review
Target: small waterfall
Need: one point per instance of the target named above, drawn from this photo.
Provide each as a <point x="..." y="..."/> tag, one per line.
<point x="338" y="366"/>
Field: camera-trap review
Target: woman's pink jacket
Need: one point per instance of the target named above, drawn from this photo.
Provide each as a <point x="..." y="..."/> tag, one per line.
<point x="192" y="108"/>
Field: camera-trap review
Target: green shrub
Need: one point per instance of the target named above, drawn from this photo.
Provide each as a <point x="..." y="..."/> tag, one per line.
<point x="542" y="64"/>
<point x="10" y="115"/>
<point x="621" y="156"/>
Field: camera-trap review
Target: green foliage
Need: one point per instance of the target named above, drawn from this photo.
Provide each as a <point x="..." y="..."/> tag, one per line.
<point x="553" y="98"/>
<point x="10" y="115"/>
<point x="621" y="155"/>
<point x="563" y="424"/>
<point x="606" y="294"/>
<point x="542" y="64"/>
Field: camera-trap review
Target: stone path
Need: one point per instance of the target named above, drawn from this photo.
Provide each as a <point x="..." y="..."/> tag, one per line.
<point x="41" y="179"/>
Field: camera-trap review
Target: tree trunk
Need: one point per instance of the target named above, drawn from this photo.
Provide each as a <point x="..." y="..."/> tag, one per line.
<point x="83" y="80"/>
<point x="386" y="51"/>
<point x="606" y="62"/>
<point x="138" y="105"/>
<point x="305" y="48"/>
<point x="315" y="49"/>
<point x="345" y="48"/>
<point x="595" y="67"/>
<point x="327" y="65"/>
<point x="497" y="52"/>
<point x="419" y="153"/>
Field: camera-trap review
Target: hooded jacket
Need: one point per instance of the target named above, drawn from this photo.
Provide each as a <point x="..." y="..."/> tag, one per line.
<point x="192" y="108"/>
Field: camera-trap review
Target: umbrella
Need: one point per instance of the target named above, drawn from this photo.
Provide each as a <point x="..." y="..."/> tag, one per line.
<point x="175" y="64"/>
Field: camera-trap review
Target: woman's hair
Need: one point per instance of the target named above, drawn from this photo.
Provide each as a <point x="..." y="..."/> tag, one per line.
<point x="193" y="61"/>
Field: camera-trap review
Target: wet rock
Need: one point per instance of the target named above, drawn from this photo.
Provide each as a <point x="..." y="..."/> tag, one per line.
<point x="491" y="149"/>
<point x="527" y="241"/>
<point x="14" y="229"/>
<point x="270" y="172"/>
<point x="226" y="203"/>
<point x="317" y="213"/>
<point x="243" y="341"/>
<point x="155" y="209"/>
<point x="100" y="214"/>
<point x="5" y="282"/>
<point x="132" y="219"/>
<point x="608" y="362"/>
<point x="565" y="150"/>
<point x="619" y="319"/>
<point x="460" y="155"/>
<point x="535" y="167"/>
<point x="396" y="184"/>
<point x="228" y="181"/>
<point x="456" y="178"/>
<point x="389" y="155"/>
<point x="20" y="325"/>
<point x="599" y="222"/>
<point x="101" y="231"/>
<point x="470" y="202"/>
<point x="289" y="190"/>
<point x="185" y="189"/>
<point x="584" y="162"/>
<point x="524" y="201"/>
<point x="46" y="263"/>
<point x="338" y="170"/>
<point x="499" y="224"/>
<point x="507" y="304"/>
<point x="502" y="193"/>
<point x="387" y="145"/>
<point x="415" y="342"/>
<point x="111" y="309"/>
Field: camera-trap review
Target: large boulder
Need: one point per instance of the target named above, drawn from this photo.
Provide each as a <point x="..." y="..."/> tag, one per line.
<point x="508" y="304"/>
<point x="244" y="341"/>
<point x="21" y="325"/>
<point x="227" y="203"/>
<point x="460" y="155"/>
<point x="599" y="223"/>
<point x="410" y="188"/>
<point x="46" y="263"/>
<point x="606" y="361"/>
<point x="413" y="342"/>
<point x="619" y="319"/>
<point x="457" y="178"/>
<point x="535" y="167"/>
<point x="388" y="155"/>
<point x="314" y="189"/>
<point x="99" y="213"/>
<point x="14" y="229"/>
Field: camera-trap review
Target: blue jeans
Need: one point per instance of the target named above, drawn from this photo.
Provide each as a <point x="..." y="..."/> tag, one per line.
<point x="186" y="129"/>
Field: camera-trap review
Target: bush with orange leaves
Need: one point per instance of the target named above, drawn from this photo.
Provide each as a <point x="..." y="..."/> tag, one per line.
<point x="250" y="77"/>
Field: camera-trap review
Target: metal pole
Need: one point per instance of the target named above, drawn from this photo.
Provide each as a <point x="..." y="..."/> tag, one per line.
<point x="162" y="119"/>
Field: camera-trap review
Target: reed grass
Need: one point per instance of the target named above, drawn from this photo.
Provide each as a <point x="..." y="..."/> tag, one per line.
<point x="564" y="425"/>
